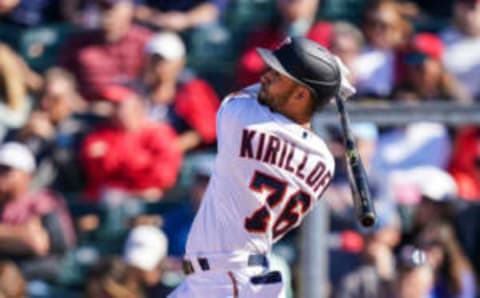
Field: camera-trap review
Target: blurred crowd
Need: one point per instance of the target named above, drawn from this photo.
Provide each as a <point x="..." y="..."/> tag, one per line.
<point x="108" y="137"/>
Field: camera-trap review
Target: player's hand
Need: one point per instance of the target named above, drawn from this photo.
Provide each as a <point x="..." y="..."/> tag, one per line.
<point x="346" y="88"/>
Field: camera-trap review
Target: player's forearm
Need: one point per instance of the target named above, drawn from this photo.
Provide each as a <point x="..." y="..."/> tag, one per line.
<point x="7" y="6"/>
<point x="189" y="140"/>
<point x="23" y="240"/>
<point x="203" y="14"/>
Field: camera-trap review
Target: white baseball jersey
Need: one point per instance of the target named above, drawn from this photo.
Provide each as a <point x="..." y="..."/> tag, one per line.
<point x="269" y="173"/>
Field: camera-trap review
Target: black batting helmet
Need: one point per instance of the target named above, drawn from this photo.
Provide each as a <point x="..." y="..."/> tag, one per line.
<point x="307" y="63"/>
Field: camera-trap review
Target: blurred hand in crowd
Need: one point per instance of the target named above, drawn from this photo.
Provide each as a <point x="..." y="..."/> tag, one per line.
<point x="38" y="125"/>
<point x="6" y="6"/>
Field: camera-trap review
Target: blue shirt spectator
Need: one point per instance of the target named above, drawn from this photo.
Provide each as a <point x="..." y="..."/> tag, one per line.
<point x="30" y="13"/>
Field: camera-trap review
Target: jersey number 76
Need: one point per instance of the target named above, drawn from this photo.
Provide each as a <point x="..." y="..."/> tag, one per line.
<point x="297" y="205"/>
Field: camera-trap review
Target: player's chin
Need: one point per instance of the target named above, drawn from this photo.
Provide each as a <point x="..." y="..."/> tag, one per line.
<point x="263" y="96"/>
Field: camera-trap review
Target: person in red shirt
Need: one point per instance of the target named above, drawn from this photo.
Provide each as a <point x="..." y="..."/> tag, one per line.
<point x="297" y="18"/>
<point x="174" y="96"/>
<point x="111" y="55"/>
<point x="130" y="153"/>
<point x="465" y="163"/>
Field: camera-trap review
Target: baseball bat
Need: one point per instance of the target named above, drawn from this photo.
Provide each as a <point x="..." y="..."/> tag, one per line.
<point x="357" y="178"/>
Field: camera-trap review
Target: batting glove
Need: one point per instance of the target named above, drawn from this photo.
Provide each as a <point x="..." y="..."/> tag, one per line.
<point x="346" y="88"/>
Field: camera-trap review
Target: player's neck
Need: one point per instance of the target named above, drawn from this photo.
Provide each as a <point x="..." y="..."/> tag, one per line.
<point x="302" y="120"/>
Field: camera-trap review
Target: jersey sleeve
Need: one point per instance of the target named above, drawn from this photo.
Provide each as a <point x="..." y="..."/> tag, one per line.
<point x="236" y="111"/>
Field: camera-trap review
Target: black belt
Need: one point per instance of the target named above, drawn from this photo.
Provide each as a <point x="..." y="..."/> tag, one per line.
<point x="253" y="260"/>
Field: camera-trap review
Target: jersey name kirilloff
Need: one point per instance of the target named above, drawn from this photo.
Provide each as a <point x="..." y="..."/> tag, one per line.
<point x="280" y="153"/>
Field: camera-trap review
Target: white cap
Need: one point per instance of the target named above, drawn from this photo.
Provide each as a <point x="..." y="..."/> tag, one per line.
<point x="431" y="182"/>
<point x="439" y="186"/>
<point x="17" y="156"/>
<point x="166" y="44"/>
<point x="146" y="246"/>
<point x="365" y="131"/>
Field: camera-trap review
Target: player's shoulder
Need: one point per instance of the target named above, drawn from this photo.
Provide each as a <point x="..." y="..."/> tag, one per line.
<point x="243" y="95"/>
<point x="243" y="103"/>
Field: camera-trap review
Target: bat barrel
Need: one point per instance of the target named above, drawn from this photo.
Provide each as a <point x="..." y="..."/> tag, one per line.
<point x="367" y="219"/>
<point x="357" y="177"/>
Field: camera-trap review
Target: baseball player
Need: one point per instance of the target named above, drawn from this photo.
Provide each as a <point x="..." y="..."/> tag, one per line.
<point x="270" y="171"/>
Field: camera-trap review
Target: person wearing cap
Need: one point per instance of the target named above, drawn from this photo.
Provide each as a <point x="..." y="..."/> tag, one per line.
<point x="110" y="278"/>
<point x="144" y="251"/>
<point x="187" y="103"/>
<point x="415" y="278"/>
<point x="112" y="54"/>
<point x="294" y="18"/>
<point x="35" y="227"/>
<point x="425" y="75"/>
<point x="256" y="193"/>
<point x="453" y="273"/>
<point x="130" y="152"/>
<point x="375" y="277"/>
<point x="462" y="43"/>
<point x="54" y="132"/>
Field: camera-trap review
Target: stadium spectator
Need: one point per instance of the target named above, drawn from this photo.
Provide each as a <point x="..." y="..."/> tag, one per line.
<point x="188" y="104"/>
<point x="110" y="279"/>
<point x="15" y="101"/>
<point x="12" y="283"/>
<point x="465" y="163"/>
<point x="144" y="251"/>
<point x="453" y="272"/>
<point x="462" y="40"/>
<point x="130" y="153"/>
<point x="424" y="194"/>
<point x="296" y="18"/>
<point x="425" y="76"/>
<point x="386" y="30"/>
<point x="177" y="222"/>
<point x="110" y="55"/>
<point x="179" y="15"/>
<point x="438" y="196"/>
<point x="415" y="275"/>
<point x="376" y="277"/>
<point x="346" y="42"/>
<point x="468" y="230"/>
<point x="54" y="132"/>
<point x="35" y="227"/>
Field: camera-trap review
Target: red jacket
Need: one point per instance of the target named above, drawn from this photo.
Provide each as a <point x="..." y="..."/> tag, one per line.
<point x="196" y="103"/>
<point x="464" y="165"/>
<point x="132" y="161"/>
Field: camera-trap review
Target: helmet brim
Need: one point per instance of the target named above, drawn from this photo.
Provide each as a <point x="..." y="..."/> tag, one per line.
<point x="272" y="61"/>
